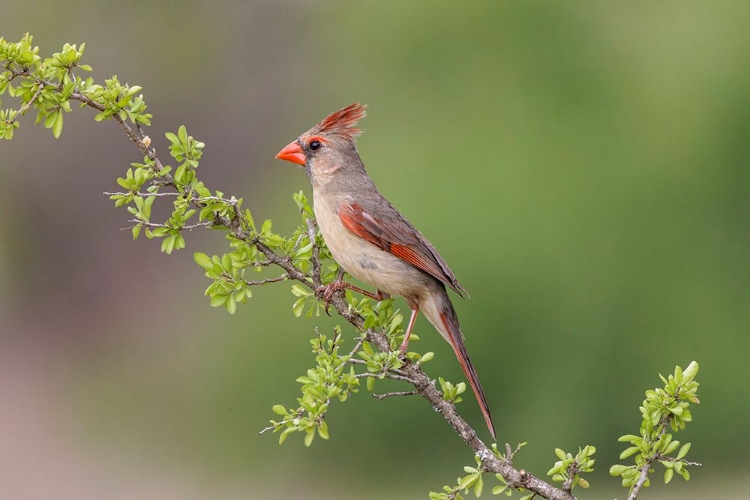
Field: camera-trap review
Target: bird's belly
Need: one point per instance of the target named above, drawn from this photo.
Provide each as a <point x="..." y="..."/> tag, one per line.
<point x="368" y="262"/>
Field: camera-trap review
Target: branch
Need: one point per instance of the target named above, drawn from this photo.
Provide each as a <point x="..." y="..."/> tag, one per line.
<point x="311" y="232"/>
<point x="641" y="480"/>
<point x="388" y="374"/>
<point x="145" y="195"/>
<point x="137" y="222"/>
<point x="283" y="277"/>
<point x="26" y="106"/>
<point x="135" y="136"/>
<point x="381" y="397"/>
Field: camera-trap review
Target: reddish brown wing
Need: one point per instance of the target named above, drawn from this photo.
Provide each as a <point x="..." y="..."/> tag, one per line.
<point x="406" y="244"/>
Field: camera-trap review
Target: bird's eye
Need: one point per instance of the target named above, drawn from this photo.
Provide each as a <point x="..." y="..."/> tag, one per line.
<point x="315" y="145"/>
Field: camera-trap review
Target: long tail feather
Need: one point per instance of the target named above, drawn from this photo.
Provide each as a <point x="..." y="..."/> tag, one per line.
<point x="442" y="315"/>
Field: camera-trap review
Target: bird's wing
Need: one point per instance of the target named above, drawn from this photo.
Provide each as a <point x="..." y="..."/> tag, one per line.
<point x="394" y="234"/>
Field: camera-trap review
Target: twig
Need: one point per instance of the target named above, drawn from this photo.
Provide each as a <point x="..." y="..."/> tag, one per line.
<point x="387" y="374"/>
<point x="152" y="224"/>
<point x="381" y="397"/>
<point x="641" y="480"/>
<point x="315" y="258"/>
<point x="354" y="351"/>
<point x="266" y="429"/>
<point x="645" y="467"/>
<point x="283" y="277"/>
<point x="26" y="106"/>
<point x="146" y="195"/>
<point x="572" y="471"/>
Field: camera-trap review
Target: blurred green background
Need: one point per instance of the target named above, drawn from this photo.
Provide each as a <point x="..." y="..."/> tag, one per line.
<point x="582" y="166"/>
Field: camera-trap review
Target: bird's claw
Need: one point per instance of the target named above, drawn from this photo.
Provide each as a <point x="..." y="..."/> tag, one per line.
<point x="326" y="293"/>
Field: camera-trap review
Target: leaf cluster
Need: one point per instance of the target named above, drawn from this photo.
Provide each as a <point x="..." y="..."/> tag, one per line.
<point x="48" y="85"/>
<point x="568" y="468"/>
<point x="331" y="378"/>
<point x="665" y="409"/>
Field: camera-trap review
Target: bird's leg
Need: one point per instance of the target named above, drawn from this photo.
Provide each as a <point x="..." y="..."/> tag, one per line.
<point x="412" y="320"/>
<point x="327" y="291"/>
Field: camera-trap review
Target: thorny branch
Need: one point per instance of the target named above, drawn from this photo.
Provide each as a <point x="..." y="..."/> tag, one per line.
<point x="411" y="373"/>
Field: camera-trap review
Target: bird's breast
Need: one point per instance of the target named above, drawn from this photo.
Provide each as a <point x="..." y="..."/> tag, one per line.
<point x="362" y="259"/>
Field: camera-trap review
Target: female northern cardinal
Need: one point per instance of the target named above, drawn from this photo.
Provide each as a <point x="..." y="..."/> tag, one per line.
<point x="371" y="240"/>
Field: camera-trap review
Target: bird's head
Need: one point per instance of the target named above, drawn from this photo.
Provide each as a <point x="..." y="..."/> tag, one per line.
<point x="328" y="148"/>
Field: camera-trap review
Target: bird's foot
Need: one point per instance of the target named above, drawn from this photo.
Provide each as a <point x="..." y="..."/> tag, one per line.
<point x="326" y="292"/>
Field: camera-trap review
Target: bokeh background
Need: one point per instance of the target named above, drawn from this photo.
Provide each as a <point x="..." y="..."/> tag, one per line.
<point x="583" y="167"/>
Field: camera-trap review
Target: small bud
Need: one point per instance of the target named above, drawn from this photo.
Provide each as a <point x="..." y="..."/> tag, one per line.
<point x="147" y="141"/>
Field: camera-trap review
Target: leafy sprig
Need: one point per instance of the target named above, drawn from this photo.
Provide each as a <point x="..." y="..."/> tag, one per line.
<point x="664" y="409"/>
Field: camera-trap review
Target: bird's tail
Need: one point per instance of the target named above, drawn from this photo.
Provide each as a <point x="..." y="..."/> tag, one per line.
<point x="439" y="311"/>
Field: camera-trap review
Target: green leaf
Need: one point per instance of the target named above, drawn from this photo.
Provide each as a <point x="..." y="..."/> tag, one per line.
<point x="182" y="134"/>
<point x="167" y="245"/>
<point x="218" y="300"/>
<point x="226" y="262"/>
<point x="478" y="487"/>
<point x="203" y="260"/>
<point x="668" y="474"/>
<point x="299" y="291"/>
<point x="628" y="438"/>
<point x="323" y="430"/>
<point x="58" y="126"/>
<point x="617" y="470"/>
<point x="690" y="372"/>
<point x="498" y="489"/>
<point x="231" y="304"/>
<point x="298" y="307"/>
<point x="286" y="433"/>
<point x="280" y="410"/>
<point x="683" y="451"/>
<point x="427" y="357"/>
<point x="309" y="436"/>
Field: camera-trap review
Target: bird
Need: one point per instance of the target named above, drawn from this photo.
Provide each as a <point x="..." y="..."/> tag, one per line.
<point x="371" y="240"/>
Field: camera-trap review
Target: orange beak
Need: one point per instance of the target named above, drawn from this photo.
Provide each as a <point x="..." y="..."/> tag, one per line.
<point x="293" y="153"/>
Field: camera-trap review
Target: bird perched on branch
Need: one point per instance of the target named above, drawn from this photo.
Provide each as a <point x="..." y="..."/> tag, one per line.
<point x="371" y="240"/>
